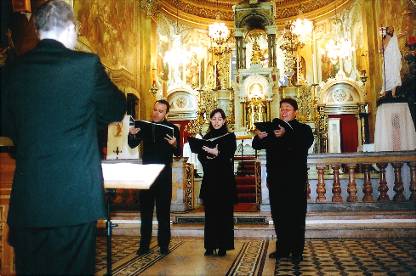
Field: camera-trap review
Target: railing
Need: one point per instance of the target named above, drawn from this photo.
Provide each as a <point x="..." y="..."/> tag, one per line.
<point x="376" y="172"/>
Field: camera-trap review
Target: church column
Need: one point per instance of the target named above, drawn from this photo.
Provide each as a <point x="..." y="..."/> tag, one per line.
<point x="239" y="47"/>
<point x="274" y="50"/>
<point x="271" y="43"/>
<point x="270" y="50"/>
<point x="243" y="55"/>
<point x="365" y="131"/>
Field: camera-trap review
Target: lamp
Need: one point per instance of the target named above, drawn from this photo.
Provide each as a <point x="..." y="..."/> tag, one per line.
<point x="219" y="34"/>
<point x="339" y="49"/>
<point x="290" y="45"/>
<point x="176" y="55"/>
<point x="291" y="41"/>
<point x="363" y="76"/>
<point x="302" y="27"/>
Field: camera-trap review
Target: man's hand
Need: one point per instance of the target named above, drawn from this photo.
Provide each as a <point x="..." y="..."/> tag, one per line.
<point x="260" y="134"/>
<point x="171" y="140"/>
<point x="213" y="151"/>
<point x="279" y="132"/>
<point x="134" y="130"/>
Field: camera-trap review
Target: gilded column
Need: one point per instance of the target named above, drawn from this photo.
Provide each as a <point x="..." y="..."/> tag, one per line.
<point x="146" y="43"/>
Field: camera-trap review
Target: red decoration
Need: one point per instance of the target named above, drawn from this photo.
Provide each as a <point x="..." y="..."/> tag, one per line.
<point x="411" y="41"/>
<point x="349" y="132"/>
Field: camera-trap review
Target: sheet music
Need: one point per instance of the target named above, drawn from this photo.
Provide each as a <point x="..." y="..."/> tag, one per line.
<point x="130" y="176"/>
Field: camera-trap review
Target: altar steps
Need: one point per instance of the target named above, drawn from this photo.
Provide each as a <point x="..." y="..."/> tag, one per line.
<point x="247" y="197"/>
<point x="394" y="224"/>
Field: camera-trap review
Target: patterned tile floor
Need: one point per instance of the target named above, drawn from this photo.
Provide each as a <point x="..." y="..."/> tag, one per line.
<point x="321" y="257"/>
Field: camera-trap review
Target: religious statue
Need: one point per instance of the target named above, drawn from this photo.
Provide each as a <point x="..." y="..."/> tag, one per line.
<point x="392" y="62"/>
<point x="256" y="56"/>
<point x="256" y="112"/>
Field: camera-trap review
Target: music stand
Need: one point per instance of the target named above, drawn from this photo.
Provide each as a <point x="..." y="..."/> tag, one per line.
<point x="125" y="174"/>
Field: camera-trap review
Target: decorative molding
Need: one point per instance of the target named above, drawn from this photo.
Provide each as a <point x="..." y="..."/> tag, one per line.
<point x="150" y="6"/>
<point x="183" y="104"/>
<point x="351" y="91"/>
<point x="209" y="9"/>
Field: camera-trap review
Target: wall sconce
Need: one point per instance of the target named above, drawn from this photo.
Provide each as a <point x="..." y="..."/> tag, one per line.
<point x="153" y="89"/>
<point x="363" y="76"/>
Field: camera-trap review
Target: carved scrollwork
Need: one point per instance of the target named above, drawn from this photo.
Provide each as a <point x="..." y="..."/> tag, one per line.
<point x="150" y="6"/>
<point x="189" y="186"/>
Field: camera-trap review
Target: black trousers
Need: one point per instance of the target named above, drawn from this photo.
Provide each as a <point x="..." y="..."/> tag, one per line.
<point x="288" y="207"/>
<point x="66" y="250"/>
<point x="160" y="194"/>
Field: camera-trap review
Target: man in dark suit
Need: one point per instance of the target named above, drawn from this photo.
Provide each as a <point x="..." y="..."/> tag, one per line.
<point x="56" y="98"/>
<point x="286" y="153"/>
<point x="156" y="150"/>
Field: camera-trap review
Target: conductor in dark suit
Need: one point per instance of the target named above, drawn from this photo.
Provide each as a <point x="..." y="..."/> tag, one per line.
<point x="156" y="150"/>
<point x="56" y="98"/>
<point x="286" y="153"/>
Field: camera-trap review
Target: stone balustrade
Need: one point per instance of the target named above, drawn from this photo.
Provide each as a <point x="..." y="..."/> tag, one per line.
<point x="366" y="166"/>
<point x="362" y="178"/>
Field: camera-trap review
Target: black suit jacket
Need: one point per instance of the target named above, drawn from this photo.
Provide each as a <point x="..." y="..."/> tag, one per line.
<point x="287" y="156"/>
<point x="55" y="100"/>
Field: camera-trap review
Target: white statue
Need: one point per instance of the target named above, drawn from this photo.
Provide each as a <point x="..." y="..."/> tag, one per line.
<point x="392" y="63"/>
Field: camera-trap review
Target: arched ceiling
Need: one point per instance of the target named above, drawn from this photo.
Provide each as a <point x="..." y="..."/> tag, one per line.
<point x="208" y="10"/>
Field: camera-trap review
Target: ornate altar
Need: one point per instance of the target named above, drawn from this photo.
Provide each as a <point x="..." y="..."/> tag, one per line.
<point x="256" y="80"/>
<point x="343" y="99"/>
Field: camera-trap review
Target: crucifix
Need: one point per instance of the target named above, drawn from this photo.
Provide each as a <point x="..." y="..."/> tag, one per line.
<point x="117" y="151"/>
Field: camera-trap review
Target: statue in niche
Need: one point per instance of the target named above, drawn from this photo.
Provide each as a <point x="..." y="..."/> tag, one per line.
<point x="217" y="76"/>
<point x="211" y="76"/>
<point x="257" y="55"/>
<point x="256" y="90"/>
<point x="256" y="112"/>
<point x="192" y="72"/>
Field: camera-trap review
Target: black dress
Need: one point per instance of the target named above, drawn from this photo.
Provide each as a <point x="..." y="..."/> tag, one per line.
<point x="218" y="192"/>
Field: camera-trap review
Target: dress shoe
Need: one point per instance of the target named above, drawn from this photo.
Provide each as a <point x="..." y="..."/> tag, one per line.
<point x="277" y="256"/>
<point x="142" y="251"/>
<point x="222" y="252"/>
<point x="164" y="251"/>
<point x="209" y="252"/>
<point x="296" y="259"/>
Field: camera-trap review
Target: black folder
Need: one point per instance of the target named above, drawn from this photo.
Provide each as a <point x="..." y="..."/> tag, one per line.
<point x="158" y="130"/>
<point x="272" y="126"/>
<point x="196" y="144"/>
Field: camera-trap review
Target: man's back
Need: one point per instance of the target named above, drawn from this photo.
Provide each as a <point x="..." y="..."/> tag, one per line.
<point x="56" y="98"/>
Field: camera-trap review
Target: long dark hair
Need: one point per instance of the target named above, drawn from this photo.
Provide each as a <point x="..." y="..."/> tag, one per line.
<point x="215" y="132"/>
